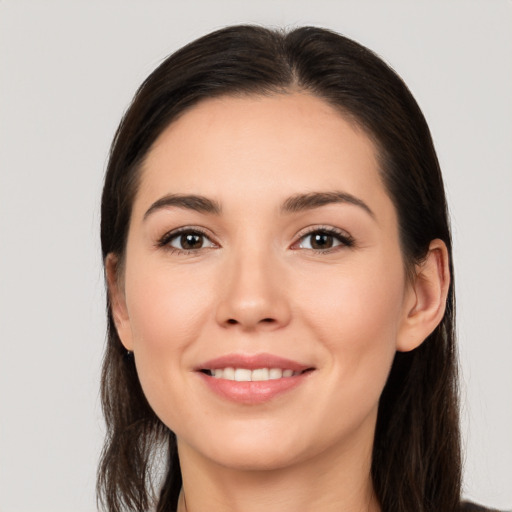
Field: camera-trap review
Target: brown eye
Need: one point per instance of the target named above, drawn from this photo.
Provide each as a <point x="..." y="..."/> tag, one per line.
<point x="191" y="241"/>
<point x="323" y="240"/>
<point x="188" y="241"/>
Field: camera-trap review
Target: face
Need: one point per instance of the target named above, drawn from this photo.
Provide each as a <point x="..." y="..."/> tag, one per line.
<point x="263" y="291"/>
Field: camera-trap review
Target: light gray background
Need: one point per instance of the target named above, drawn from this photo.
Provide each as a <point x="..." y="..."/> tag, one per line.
<point x="68" y="70"/>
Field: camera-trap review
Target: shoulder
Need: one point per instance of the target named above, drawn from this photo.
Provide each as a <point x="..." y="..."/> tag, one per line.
<point x="466" y="506"/>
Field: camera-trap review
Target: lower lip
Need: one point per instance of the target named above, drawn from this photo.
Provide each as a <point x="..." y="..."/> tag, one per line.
<point x="251" y="392"/>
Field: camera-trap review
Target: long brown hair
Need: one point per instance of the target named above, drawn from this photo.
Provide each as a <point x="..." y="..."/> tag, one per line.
<point x="416" y="453"/>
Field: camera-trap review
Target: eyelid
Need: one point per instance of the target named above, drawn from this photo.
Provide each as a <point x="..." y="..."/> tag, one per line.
<point x="341" y="235"/>
<point x="345" y="239"/>
<point x="164" y="241"/>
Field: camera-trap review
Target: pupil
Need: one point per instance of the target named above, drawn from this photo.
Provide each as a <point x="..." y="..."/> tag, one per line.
<point x="191" y="241"/>
<point x="321" y="241"/>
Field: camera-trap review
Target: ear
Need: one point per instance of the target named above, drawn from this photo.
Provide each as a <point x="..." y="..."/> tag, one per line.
<point x="118" y="301"/>
<point x="426" y="298"/>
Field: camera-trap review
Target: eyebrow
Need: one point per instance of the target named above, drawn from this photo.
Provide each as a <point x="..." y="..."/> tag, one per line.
<point x="186" y="201"/>
<point x="294" y="204"/>
<point x="302" y="202"/>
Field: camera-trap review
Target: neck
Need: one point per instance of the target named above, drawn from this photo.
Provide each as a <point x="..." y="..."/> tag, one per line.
<point x="308" y="486"/>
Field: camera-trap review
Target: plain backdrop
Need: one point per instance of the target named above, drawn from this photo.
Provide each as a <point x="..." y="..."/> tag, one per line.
<point x="68" y="70"/>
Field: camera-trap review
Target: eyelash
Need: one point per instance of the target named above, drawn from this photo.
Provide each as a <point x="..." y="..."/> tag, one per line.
<point x="167" y="238"/>
<point x="341" y="236"/>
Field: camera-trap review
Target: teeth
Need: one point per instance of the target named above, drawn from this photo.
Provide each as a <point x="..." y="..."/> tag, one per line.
<point x="246" y="375"/>
<point x="242" y="375"/>
<point x="228" y="373"/>
<point x="275" y="373"/>
<point x="260" y="374"/>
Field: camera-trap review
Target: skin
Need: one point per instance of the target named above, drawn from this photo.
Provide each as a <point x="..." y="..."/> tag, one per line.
<point x="256" y="286"/>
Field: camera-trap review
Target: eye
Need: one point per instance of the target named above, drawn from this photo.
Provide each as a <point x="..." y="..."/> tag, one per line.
<point x="186" y="240"/>
<point x="324" y="239"/>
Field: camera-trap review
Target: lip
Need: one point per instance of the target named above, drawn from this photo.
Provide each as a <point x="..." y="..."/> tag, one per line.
<point x="254" y="392"/>
<point x="252" y="362"/>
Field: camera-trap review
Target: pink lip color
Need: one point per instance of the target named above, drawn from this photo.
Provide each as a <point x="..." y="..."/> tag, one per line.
<point x="252" y="392"/>
<point x="252" y="362"/>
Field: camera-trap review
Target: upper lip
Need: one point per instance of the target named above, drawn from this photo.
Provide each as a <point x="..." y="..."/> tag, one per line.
<point x="252" y="362"/>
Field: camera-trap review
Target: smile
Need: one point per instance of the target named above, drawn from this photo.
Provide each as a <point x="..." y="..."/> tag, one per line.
<point x="248" y="375"/>
<point x="252" y="378"/>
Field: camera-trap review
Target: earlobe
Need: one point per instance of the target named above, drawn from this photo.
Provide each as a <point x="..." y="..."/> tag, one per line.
<point x="118" y="301"/>
<point x="427" y="298"/>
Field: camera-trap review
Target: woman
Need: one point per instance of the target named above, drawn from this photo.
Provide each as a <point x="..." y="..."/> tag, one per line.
<point x="281" y="304"/>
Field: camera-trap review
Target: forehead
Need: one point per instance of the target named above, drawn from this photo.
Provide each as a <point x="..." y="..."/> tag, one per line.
<point x="270" y="146"/>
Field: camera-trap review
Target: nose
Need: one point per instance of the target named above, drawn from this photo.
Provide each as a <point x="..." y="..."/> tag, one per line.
<point x="253" y="293"/>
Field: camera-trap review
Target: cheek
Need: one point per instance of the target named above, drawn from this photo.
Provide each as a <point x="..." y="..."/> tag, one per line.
<point x="164" y="307"/>
<point x="167" y="313"/>
<point x="356" y="314"/>
<point x="360" y="303"/>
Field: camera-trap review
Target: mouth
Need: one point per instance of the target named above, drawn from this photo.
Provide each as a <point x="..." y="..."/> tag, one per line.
<point x="256" y="375"/>
<point x="253" y="379"/>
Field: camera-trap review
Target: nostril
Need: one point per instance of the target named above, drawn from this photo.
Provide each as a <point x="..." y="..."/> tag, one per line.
<point x="232" y="321"/>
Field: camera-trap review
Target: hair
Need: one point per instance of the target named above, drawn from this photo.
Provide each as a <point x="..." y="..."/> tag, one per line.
<point x="416" y="461"/>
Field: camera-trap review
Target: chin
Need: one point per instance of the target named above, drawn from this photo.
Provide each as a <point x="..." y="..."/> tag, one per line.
<point x="254" y="458"/>
<point x="253" y="447"/>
